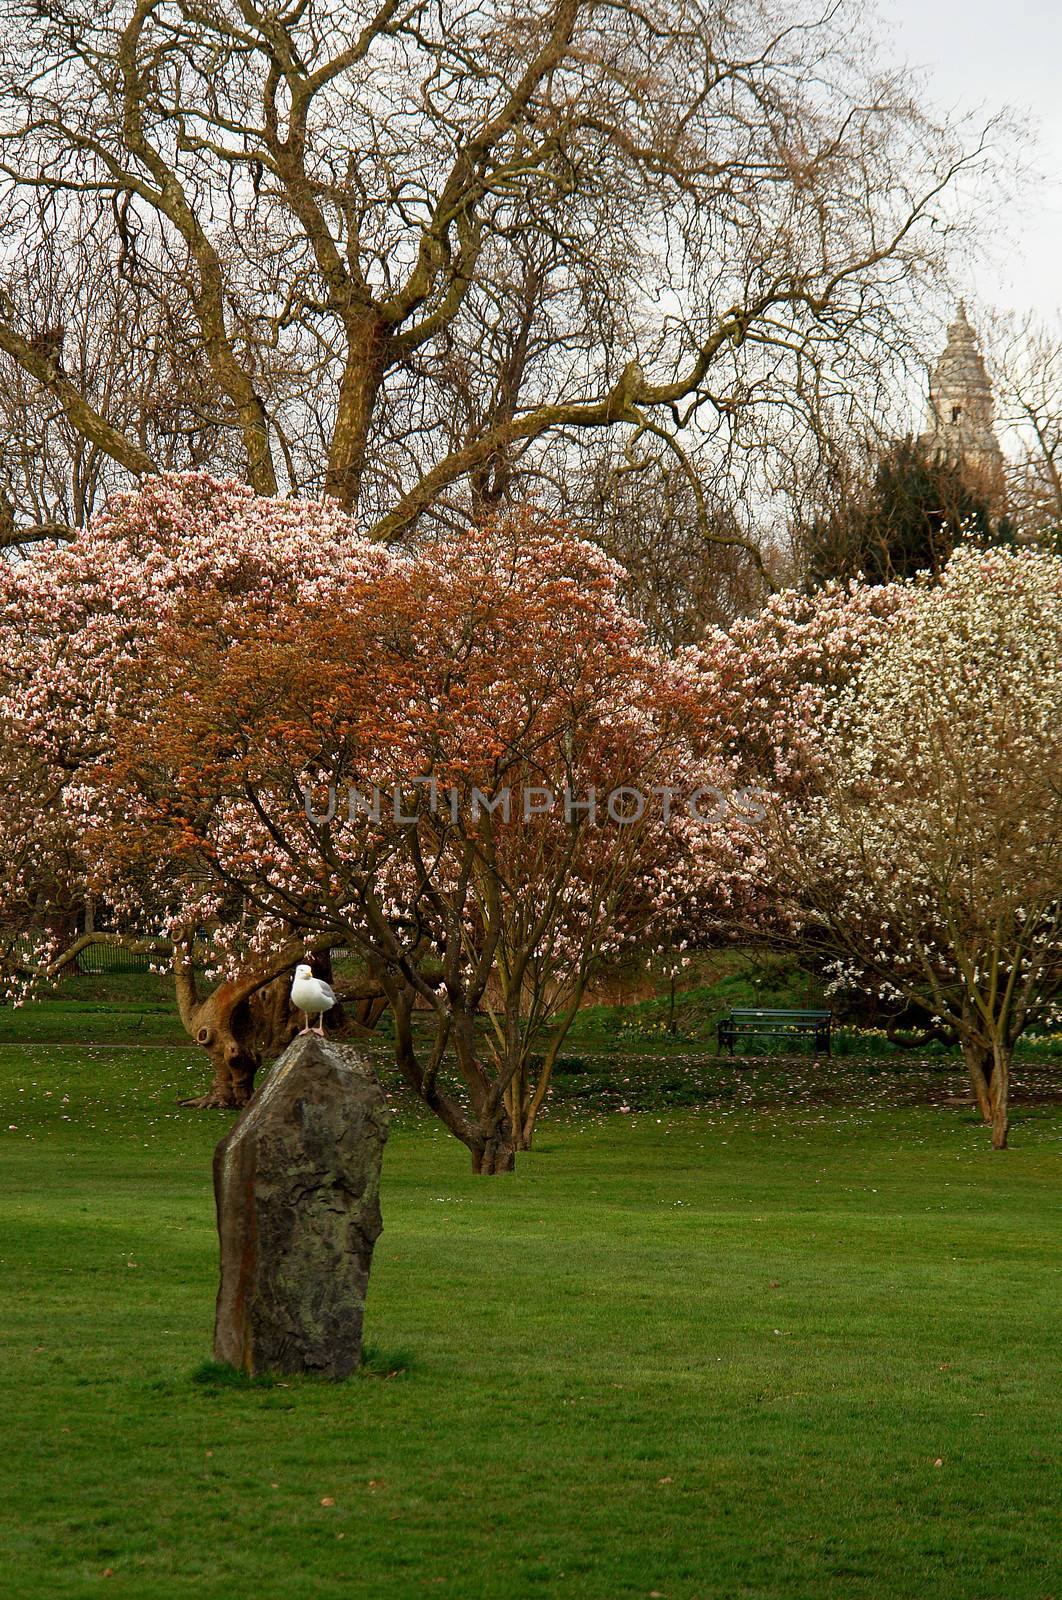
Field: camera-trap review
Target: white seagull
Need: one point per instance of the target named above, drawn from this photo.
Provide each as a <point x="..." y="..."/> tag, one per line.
<point x="313" y="997"/>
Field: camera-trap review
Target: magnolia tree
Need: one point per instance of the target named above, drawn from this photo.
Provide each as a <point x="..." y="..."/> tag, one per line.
<point x="769" y="679"/>
<point x="915" y="824"/>
<point x="766" y="684"/>
<point x="470" y="769"/>
<point x="79" y="636"/>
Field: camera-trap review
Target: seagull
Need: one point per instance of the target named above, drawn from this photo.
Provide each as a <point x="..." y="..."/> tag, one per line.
<point x="313" y="997"/>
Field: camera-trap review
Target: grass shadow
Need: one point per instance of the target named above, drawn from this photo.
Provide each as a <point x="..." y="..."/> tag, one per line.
<point x="387" y="1365"/>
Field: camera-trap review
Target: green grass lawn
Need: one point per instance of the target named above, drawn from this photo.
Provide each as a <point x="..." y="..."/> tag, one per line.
<point x="799" y="1341"/>
<point x="113" y="1008"/>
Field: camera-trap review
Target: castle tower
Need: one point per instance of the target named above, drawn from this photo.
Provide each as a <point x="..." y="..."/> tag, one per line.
<point x="960" y="421"/>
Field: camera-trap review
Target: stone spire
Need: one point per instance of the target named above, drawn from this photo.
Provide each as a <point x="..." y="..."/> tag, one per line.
<point x="960" y="423"/>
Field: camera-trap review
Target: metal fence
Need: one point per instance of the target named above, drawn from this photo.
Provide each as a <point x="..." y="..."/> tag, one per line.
<point x="100" y="958"/>
<point x="105" y="956"/>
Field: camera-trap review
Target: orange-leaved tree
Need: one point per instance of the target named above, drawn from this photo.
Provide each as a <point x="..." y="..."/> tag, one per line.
<point x="470" y="769"/>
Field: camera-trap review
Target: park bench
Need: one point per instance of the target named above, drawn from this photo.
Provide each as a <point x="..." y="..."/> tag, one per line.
<point x="759" y="1023"/>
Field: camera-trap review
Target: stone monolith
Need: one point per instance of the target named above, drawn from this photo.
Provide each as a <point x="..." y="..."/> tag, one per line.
<point x="297" y="1185"/>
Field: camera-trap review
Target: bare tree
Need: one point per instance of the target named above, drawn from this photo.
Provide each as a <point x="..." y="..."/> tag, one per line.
<point x="410" y="256"/>
<point x="124" y="356"/>
<point x="690" y="549"/>
<point x="1026" y="360"/>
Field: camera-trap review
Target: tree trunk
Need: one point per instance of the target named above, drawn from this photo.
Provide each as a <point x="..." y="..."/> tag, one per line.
<point x="999" y="1093"/>
<point x="989" y="1069"/>
<point x="518" y="1107"/>
<point x="274" y="1021"/>
<point x="497" y="1153"/>
<point x="366" y="1012"/>
<point x="536" y="1100"/>
<point x="533" y="1102"/>
<point x="358" y="389"/>
<point x="979" y="1064"/>
<point x="493" y="1142"/>
<point x="222" y="1025"/>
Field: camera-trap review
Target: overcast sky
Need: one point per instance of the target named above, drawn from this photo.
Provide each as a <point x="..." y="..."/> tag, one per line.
<point x="991" y="53"/>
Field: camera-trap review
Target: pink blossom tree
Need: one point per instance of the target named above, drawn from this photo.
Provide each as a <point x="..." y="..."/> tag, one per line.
<point x="771" y="676"/>
<point x="501" y="766"/>
<point x="80" y="632"/>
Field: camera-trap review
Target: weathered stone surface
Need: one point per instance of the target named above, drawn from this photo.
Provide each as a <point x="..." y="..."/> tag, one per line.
<point x="297" y="1185"/>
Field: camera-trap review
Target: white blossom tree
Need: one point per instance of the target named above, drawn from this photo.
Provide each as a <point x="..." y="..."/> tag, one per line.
<point x="927" y="858"/>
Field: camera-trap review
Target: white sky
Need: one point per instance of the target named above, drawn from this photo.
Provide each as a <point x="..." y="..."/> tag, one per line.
<point x="991" y="53"/>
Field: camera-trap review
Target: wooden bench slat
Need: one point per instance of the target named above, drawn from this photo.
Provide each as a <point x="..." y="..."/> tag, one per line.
<point x="744" y="1012"/>
<point x="773" y="1022"/>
